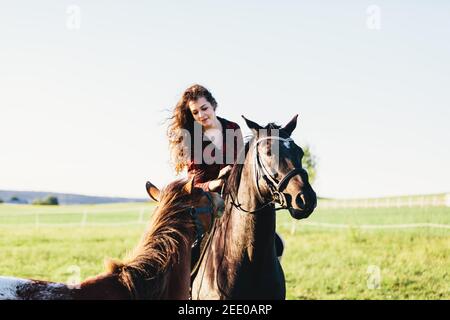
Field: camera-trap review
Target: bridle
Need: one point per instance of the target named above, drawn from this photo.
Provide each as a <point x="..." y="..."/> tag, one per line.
<point x="276" y="188"/>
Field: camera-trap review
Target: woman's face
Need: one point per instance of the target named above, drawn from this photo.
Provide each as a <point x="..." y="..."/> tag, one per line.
<point x="203" y="112"/>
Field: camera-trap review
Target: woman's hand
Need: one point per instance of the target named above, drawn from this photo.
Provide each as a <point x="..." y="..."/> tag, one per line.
<point x="216" y="185"/>
<point x="224" y="172"/>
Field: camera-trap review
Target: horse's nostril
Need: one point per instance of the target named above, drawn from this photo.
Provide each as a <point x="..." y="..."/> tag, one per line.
<point x="300" y="201"/>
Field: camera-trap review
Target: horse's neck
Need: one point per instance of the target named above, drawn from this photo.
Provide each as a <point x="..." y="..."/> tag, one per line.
<point x="176" y="285"/>
<point x="156" y="273"/>
<point x="241" y="262"/>
<point x="257" y="230"/>
<point x="102" y="287"/>
<point x="108" y="285"/>
<point x="179" y="279"/>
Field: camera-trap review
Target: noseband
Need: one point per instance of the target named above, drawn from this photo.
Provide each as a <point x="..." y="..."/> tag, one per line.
<point x="276" y="188"/>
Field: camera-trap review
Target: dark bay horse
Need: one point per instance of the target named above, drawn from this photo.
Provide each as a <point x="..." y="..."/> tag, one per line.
<point x="240" y="261"/>
<point x="159" y="267"/>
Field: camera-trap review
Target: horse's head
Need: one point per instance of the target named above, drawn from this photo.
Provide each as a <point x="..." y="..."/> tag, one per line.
<point x="277" y="162"/>
<point x="203" y="206"/>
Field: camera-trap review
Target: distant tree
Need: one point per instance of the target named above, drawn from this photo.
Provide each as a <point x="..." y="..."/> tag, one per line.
<point x="14" y="199"/>
<point x="50" y="201"/>
<point x="1" y="201"/>
<point x="309" y="163"/>
<point x="53" y="201"/>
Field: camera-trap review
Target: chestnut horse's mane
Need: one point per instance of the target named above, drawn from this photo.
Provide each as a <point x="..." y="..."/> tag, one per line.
<point x="145" y="271"/>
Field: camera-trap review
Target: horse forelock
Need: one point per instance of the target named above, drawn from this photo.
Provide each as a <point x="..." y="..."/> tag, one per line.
<point x="272" y="125"/>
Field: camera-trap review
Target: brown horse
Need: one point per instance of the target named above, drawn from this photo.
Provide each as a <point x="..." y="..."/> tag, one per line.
<point x="159" y="267"/>
<point x="240" y="261"/>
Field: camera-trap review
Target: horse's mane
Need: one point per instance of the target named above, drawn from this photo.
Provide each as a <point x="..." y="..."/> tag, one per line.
<point x="144" y="272"/>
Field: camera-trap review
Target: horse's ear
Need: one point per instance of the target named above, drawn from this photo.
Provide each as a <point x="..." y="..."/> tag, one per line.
<point x="252" y="125"/>
<point x="289" y="128"/>
<point x="152" y="191"/>
<point x="189" y="186"/>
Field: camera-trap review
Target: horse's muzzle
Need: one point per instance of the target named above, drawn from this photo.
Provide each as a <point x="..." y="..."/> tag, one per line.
<point x="305" y="203"/>
<point x="300" y="214"/>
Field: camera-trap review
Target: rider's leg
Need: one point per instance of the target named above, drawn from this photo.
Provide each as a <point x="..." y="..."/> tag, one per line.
<point x="279" y="246"/>
<point x="195" y="255"/>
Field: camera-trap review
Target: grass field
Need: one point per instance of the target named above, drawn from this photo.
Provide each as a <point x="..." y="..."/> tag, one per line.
<point x="319" y="262"/>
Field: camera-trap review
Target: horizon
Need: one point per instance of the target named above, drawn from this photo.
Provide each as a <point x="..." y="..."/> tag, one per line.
<point x="146" y="198"/>
<point x="87" y="87"/>
<point x="64" y="193"/>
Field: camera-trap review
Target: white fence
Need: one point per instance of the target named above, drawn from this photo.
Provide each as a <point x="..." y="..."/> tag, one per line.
<point x="296" y="224"/>
<point x="86" y="218"/>
<point x="440" y="200"/>
<point x="137" y="215"/>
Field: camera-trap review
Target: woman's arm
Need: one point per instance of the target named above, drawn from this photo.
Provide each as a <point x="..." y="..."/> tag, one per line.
<point x="202" y="173"/>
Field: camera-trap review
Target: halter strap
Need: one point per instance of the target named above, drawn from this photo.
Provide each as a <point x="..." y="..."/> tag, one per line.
<point x="285" y="181"/>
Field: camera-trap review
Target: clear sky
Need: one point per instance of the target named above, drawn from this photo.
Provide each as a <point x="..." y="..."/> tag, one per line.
<point x="84" y="90"/>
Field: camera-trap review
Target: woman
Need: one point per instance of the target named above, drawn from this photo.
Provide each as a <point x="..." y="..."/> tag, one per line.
<point x="200" y="141"/>
<point x="218" y="142"/>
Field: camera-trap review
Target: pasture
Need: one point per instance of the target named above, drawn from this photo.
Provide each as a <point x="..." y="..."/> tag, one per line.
<point x="337" y="253"/>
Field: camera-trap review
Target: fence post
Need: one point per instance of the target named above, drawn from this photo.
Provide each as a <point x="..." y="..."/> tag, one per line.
<point x="447" y="199"/>
<point x="294" y="227"/>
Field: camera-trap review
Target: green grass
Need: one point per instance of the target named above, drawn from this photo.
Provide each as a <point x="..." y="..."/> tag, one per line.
<point x="106" y="213"/>
<point x="327" y="263"/>
<point x="319" y="263"/>
<point x="335" y="265"/>
<point x="380" y="216"/>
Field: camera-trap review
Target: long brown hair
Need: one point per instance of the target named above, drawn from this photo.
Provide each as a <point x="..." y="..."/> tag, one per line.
<point x="182" y="119"/>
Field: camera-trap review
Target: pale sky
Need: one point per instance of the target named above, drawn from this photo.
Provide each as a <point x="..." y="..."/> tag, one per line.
<point x="84" y="89"/>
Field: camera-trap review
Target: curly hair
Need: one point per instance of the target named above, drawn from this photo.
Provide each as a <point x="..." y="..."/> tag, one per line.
<point x="182" y="122"/>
